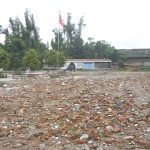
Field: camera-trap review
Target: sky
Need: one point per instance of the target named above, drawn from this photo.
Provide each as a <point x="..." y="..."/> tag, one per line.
<point x="125" y="24"/>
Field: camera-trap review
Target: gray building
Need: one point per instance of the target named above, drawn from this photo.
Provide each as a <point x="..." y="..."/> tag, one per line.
<point x="137" y="57"/>
<point x="89" y="64"/>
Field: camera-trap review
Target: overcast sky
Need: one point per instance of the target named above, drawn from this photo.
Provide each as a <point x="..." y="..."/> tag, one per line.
<point x="123" y="23"/>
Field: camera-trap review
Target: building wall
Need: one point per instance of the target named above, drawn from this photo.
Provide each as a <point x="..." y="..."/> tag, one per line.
<point x="89" y="64"/>
<point x="138" y="61"/>
<point x="79" y="65"/>
<point x="146" y="63"/>
<point x="103" y="65"/>
<point x="136" y="57"/>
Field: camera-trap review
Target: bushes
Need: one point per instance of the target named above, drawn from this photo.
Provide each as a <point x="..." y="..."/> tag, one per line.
<point x="121" y="64"/>
<point x="144" y="68"/>
<point x="4" y="59"/>
<point x="31" y="60"/>
<point x="1" y="83"/>
<point x="3" y="75"/>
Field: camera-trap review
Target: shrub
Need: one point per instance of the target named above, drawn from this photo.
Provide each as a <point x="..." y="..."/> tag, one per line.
<point x="3" y="75"/>
<point x="1" y="83"/>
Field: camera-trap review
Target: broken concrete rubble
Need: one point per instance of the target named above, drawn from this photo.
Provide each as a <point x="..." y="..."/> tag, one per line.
<point x="77" y="111"/>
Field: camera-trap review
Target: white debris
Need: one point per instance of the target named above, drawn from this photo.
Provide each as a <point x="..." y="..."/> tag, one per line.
<point x="84" y="136"/>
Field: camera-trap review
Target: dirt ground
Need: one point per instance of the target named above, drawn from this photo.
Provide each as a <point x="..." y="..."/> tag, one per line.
<point x="100" y="110"/>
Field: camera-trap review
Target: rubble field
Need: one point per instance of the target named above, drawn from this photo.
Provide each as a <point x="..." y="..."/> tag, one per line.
<point x="99" y="110"/>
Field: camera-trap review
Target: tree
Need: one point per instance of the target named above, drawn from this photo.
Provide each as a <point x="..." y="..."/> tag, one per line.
<point x="54" y="42"/>
<point x="89" y="49"/>
<point x="31" y="60"/>
<point x="15" y="26"/>
<point x="115" y="56"/>
<point x="4" y="59"/>
<point x="16" y="47"/>
<point x="103" y="49"/>
<point x="55" y="59"/>
<point x="31" y="32"/>
<point x="61" y="58"/>
<point x="70" y="40"/>
<point x="1" y="29"/>
<point x="69" y="30"/>
<point x="1" y="45"/>
<point x="19" y="38"/>
<point x="76" y="50"/>
<point x="65" y="36"/>
<point x="51" y="58"/>
<point x="121" y="60"/>
<point x="100" y="49"/>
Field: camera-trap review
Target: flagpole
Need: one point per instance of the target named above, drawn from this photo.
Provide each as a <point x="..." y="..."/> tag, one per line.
<point x="58" y="48"/>
<point x="58" y="41"/>
<point x="60" y="24"/>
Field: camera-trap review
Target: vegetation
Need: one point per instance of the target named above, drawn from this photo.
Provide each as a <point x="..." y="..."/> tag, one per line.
<point x="55" y="59"/>
<point x="1" y="83"/>
<point x="73" y="46"/>
<point x="23" y="47"/>
<point x="3" y="75"/>
<point x="144" y="68"/>
<point x="4" y="59"/>
<point x="31" y="60"/>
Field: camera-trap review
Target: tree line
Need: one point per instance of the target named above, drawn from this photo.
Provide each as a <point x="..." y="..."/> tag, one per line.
<point x="24" y="48"/>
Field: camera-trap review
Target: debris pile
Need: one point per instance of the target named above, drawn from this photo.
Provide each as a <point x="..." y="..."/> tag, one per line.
<point x="104" y="111"/>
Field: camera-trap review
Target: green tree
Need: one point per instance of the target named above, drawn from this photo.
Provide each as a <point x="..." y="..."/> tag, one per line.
<point x="1" y="29"/>
<point x="54" y="42"/>
<point x="16" y="47"/>
<point x="51" y="58"/>
<point x="15" y="26"/>
<point x="70" y="38"/>
<point x="100" y="49"/>
<point x="115" y="56"/>
<point x="55" y="59"/>
<point x="69" y="31"/>
<point x="4" y="59"/>
<point x="103" y="50"/>
<point x="19" y="38"/>
<point x="76" y="50"/>
<point x="31" y="32"/>
<point x="31" y="60"/>
<point x="61" y="58"/>
<point x="65" y="37"/>
<point x="89" y="49"/>
<point x="121" y="60"/>
<point x="1" y="45"/>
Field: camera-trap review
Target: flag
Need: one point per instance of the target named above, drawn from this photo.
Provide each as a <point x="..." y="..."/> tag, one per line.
<point x="60" y="27"/>
<point x="60" y="21"/>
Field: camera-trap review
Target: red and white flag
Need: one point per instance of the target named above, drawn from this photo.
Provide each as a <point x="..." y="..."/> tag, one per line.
<point x="60" y="22"/>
